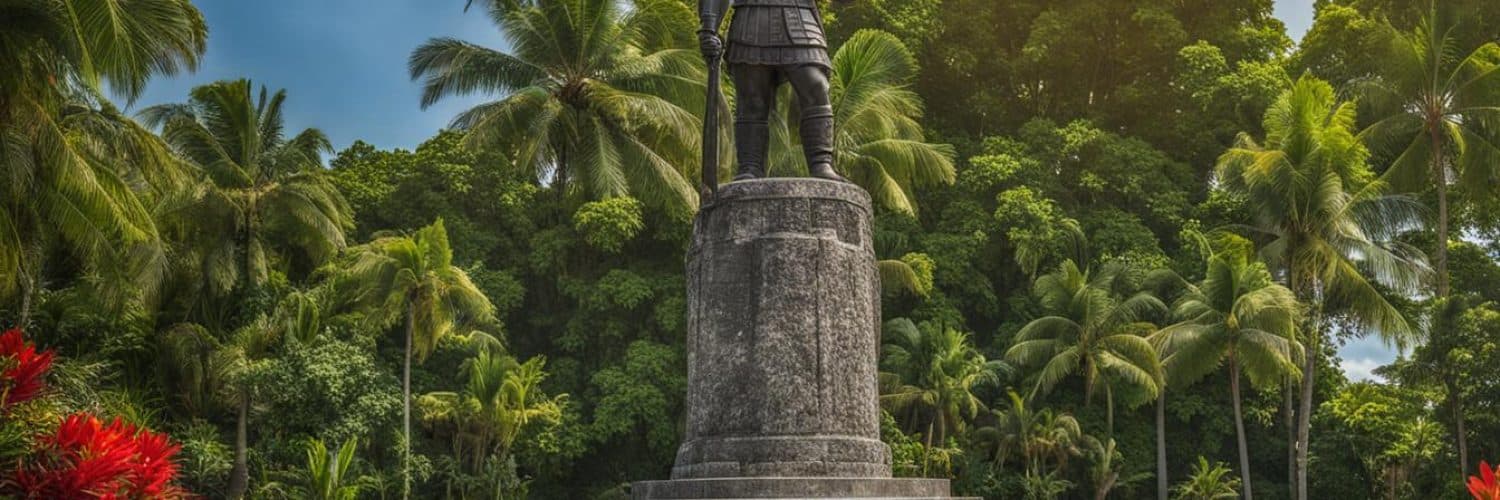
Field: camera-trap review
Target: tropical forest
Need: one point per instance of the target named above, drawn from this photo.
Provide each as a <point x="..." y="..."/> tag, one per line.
<point x="1124" y="249"/>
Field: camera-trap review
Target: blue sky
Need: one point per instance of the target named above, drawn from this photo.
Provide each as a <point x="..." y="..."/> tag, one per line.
<point x="1297" y="14"/>
<point x="343" y="63"/>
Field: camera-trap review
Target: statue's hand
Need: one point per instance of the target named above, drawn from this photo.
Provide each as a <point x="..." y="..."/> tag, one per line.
<point x="710" y="44"/>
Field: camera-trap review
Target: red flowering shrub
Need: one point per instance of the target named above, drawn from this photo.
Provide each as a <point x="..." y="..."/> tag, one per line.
<point x="89" y="459"/>
<point x="24" y="369"/>
<point x="1483" y="486"/>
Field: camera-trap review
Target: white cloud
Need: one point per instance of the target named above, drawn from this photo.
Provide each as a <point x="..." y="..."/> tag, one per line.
<point x="1362" y="369"/>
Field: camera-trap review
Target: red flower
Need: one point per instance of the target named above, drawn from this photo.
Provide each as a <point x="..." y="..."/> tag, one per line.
<point x="88" y="459"/>
<point x="24" y="369"/>
<point x="1483" y="486"/>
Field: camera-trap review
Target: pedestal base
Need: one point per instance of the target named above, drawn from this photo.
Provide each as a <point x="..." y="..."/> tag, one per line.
<point x="791" y="487"/>
<point x="783" y="351"/>
<point x="783" y="456"/>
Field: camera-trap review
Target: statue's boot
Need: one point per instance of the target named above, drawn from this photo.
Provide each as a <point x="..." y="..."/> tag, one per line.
<point x="752" y="137"/>
<point x="817" y="142"/>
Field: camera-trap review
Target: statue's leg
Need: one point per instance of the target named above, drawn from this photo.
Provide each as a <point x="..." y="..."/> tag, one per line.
<point x="811" y="84"/>
<point x="755" y="92"/>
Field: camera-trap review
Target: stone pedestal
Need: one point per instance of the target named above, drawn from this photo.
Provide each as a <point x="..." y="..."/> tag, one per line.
<point x="783" y="345"/>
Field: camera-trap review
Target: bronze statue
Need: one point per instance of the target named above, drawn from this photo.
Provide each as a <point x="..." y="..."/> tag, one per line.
<point x="772" y="42"/>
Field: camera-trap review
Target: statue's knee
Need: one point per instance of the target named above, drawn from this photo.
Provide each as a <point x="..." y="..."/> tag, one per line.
<point x="811" y="85"/>
<point x="752" y="110"/>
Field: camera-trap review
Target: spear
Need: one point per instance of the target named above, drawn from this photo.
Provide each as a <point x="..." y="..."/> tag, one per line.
<point x="711" y="132"/>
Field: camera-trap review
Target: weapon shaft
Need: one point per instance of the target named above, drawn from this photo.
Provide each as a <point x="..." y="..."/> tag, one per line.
<point x="711" y="131"/>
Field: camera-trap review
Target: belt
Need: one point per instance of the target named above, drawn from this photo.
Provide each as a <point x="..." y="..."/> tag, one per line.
<point x="805" y="4"/>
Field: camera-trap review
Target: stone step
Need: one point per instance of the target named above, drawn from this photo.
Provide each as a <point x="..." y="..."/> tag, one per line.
<point x="786" y="488"/>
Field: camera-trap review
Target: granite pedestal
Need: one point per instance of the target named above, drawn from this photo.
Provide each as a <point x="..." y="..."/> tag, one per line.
<point x="783" y="345"/>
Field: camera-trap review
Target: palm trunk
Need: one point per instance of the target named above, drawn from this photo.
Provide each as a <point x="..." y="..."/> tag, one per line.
<point x="1441" y="173"/>
<point x="239" y="476"/>
<point x="1304" y="412"/>
<point x="406" y="402"/>
<point x="1161" y="446"/>
<point x="927" y="450"/>
<point x="1109" y="411"/>
<point x="28" y="280"/>
<point x="1390" y="482"/>
<point x="249" y="237"/>
<point x="1289" y="416"/>
<point x="1443" y="291"/>
<point x="1307" y="295"/>
<point x="1460" y="432"/>
<point x="1239" y="425"/>
<point x="560" y="177"/>
<point x="28" y="289"/>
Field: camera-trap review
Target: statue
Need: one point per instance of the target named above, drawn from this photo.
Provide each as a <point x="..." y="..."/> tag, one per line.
<point x="771" y="42"/>
<point x="783" y="293"/>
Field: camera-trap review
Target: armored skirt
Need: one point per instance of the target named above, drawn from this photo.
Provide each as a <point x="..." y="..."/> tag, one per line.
<point x="777" y="33"/>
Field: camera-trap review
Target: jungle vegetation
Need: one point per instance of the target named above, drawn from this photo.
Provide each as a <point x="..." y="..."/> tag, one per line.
<point x="1122" y="243"/>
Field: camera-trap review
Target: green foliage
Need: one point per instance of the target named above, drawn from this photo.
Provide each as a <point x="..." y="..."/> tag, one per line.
<point x="912" y="273"/>
<point x="207" y="273"/>
<point x="328" y="471"/>
<point x="1310" y="189"/>
<point x="907" y="451"/>
<point x="74" y="180"/>
<point x="413" y="279"/>
<point x="1239" y="315"/>
<point x="1208" y="482"/>
<point x="1038" y="228"/>
<point x="609" y="224"/>
<point x="610" y="119"/>
<point x="1387" y="427"/>
<point x="1095" y="325"/>
<point x="929" y="375"/>
<point x="262" y="194"/>
<point x="205" y="459"/>
<point x="882" y="146"/>
<point x="1436" y="99"/>
<point x="501" y="401"/>
<point x="1044" y="441"/>
<point x="640" y="398"/>
<point x="331" y="389"/>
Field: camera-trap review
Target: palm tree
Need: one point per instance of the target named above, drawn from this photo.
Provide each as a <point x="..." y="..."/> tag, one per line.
<point x="1432" y="362"/>
<point x="262" y="194"/>
<point x="250" y="347"/>
<point x="1008" y="436"/>
<point x="65" y="152"/>
<point x="1435" y="103"/>
<point x="413" y="279"/>
<point x="327" y="472"/>
<point x="1092" y="329"/>
<point x="1057" y="437"/>
<point x="206" y="373"/>
<point x="1034" y="436"/>
<point x="1238" y="316"/>
<point x="1105" y="467"/>
<point x="502" y="397"/>
<point x="1328" y="227"/>
<point x="933" y="372"/>
<point x="1208" y="482"/>
<point x="877" y="131"/>
<point x="596" y="94"/>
